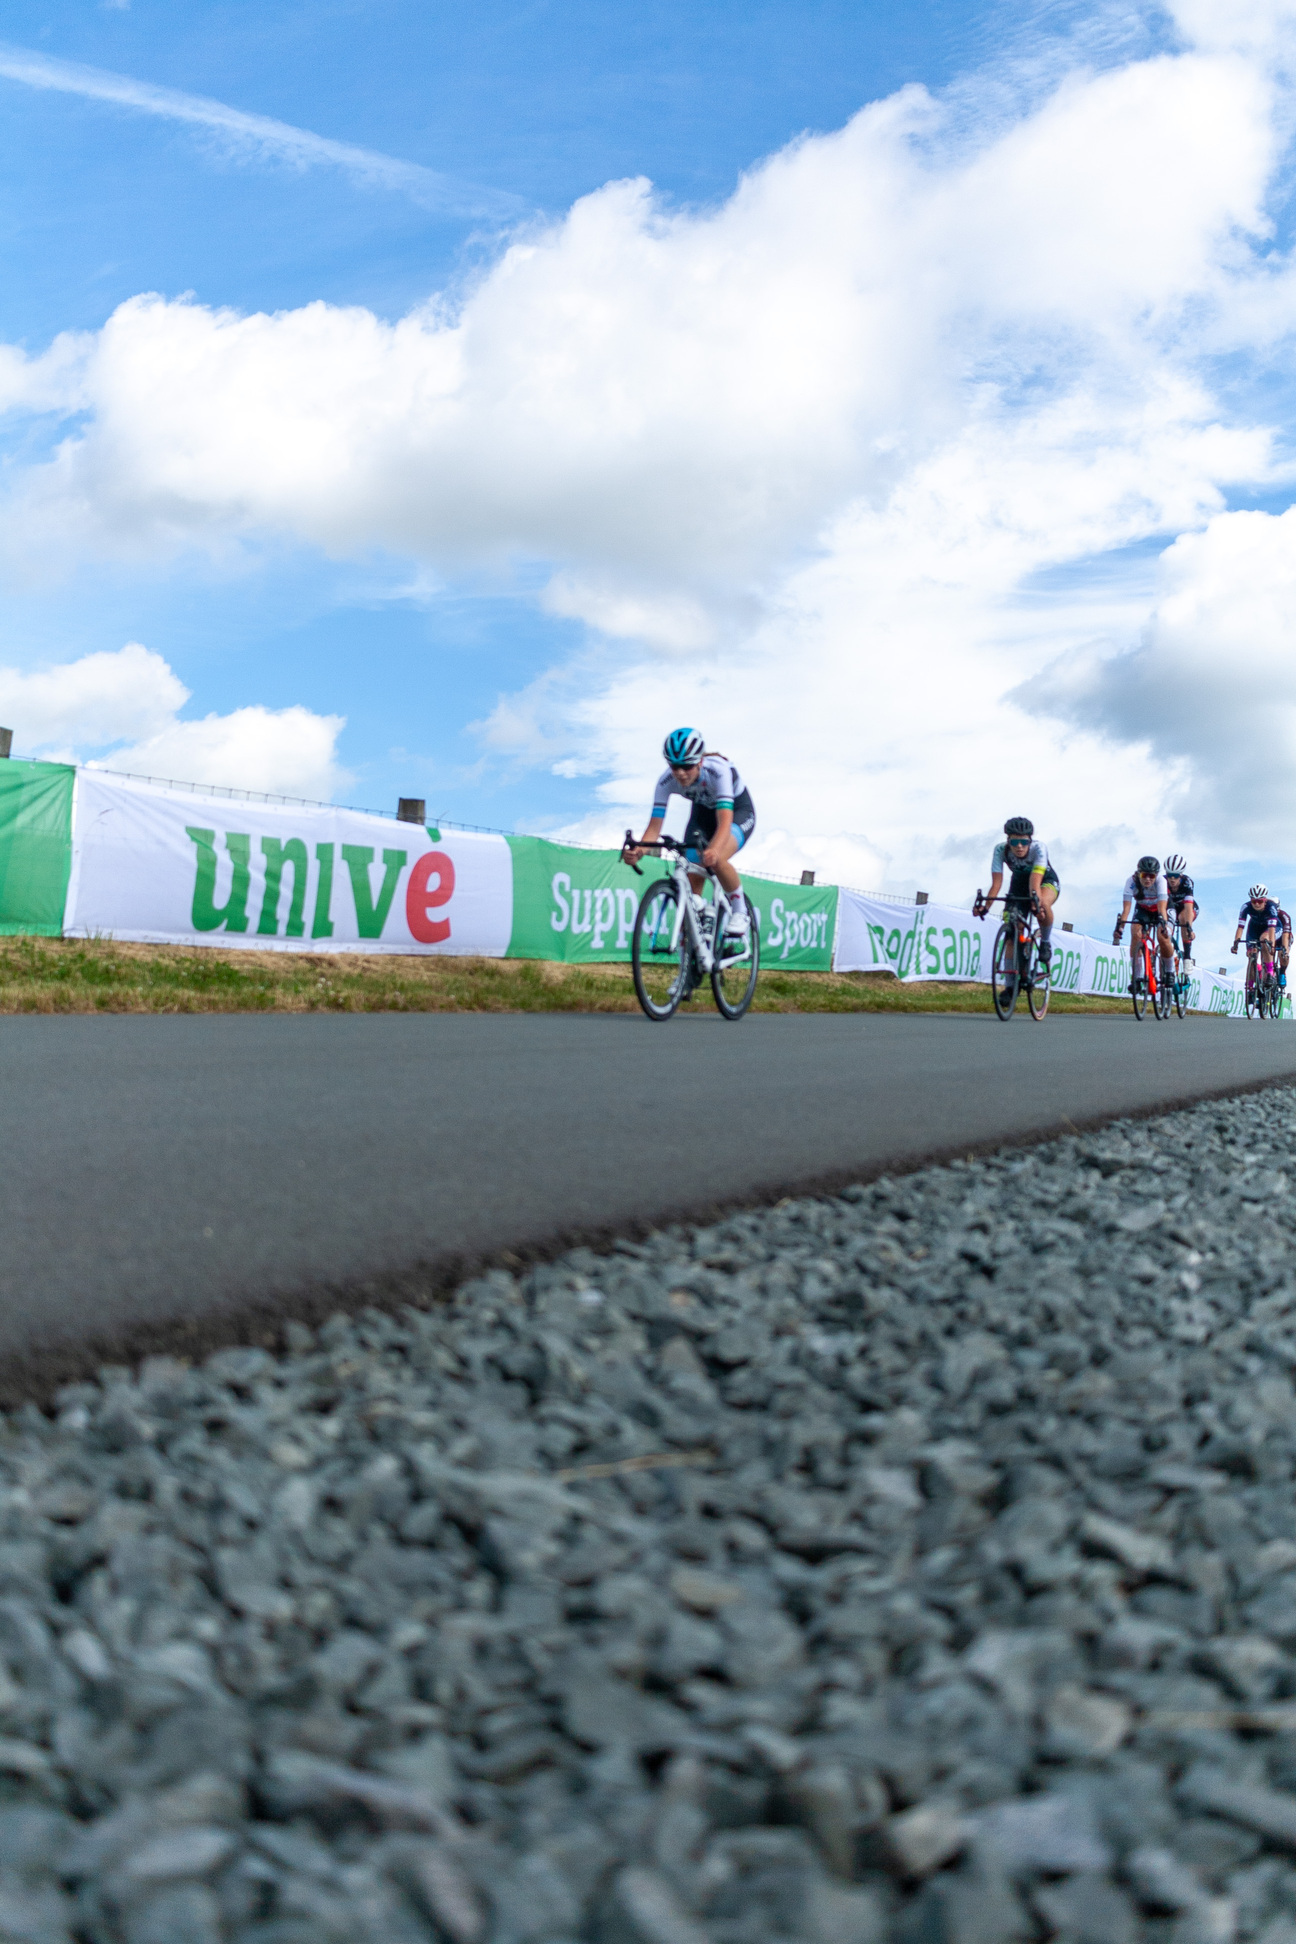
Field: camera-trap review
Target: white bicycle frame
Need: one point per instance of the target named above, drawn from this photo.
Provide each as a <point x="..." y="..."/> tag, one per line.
<point x="686" y="911"/>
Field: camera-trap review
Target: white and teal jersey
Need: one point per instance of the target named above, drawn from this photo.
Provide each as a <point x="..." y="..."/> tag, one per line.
<point x="717" y="786"/>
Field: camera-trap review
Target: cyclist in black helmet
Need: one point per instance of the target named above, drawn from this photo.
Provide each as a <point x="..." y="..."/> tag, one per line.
<point x="1031" y="876"/>
<point x="722" y="817"/>
<point x="1146" y="891"/>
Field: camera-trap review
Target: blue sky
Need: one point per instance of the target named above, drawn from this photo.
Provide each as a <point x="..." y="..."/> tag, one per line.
<point x="508" y="624"/>
<point x="542" y="102"/>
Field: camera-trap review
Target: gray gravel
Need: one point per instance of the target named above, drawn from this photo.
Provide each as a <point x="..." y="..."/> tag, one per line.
<point x="918" y="1564"/>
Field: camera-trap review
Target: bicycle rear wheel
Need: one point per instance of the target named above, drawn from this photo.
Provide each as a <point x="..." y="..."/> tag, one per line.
<point x="733" y="980"/>
<point x="660" y="962"/>
<point x="1003" y="976"/>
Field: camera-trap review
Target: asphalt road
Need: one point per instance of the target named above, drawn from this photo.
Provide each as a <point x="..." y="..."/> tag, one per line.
<point x="165" y="1180"/>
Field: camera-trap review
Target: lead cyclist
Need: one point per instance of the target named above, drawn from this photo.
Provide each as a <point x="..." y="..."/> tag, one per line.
<point x="722" y="817"/>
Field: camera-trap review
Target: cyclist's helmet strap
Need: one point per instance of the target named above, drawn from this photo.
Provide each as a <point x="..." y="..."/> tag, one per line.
<point x="1149" y="866"/>
<point x="683" y="747"/>
<point x="1019" y="827"/>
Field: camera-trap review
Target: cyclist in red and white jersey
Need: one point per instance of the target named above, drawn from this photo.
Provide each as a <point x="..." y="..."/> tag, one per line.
<point x="1147" y="893"/>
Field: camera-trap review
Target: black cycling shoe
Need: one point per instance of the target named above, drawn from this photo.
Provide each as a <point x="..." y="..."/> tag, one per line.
<point x="1045" y="951"/>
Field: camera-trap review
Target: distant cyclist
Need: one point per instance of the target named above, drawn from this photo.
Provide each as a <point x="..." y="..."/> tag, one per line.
<point x="1181" y="900"/>
<point x="1031" y="879"/>
<point x="1147" y="893"/>
<point x="1282" y="951"/>
<point x="721" y="819"/>
<point x="1261" y="916"/>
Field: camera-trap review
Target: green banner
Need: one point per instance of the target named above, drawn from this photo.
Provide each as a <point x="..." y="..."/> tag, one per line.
<point x="35" y="846"/>
<point x="579" y="906"/>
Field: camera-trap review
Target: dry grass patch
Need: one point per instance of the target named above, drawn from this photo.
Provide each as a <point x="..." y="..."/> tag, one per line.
<point x="51" y="975"/>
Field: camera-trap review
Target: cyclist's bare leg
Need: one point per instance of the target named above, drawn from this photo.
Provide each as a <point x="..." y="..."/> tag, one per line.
<point x="1136" y="949"/>
<point x="1251" y="966"/>
<point x="1048" y="898"/>
<point x="718" y="853"/>
<point x="1187" y="919"/>
<point x="1167" y="951"/>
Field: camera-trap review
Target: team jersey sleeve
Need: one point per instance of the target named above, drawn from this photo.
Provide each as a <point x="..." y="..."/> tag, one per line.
<point x="722" y="775"/>
<point x="662" y="794"/>
<point x="997" y="858"/>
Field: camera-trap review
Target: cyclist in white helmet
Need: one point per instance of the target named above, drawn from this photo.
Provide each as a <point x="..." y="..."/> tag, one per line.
<point x="722" y="817"/>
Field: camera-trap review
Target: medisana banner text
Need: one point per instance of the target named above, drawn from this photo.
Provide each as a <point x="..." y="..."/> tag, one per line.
<point x="918" y="942"/>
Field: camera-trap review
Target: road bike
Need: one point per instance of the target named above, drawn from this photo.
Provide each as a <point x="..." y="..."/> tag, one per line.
<point x="1182" y="981"/>
<point x="679" y="940"/>
<point x="1147" y="981"/>
<point x="1263" y="993"/>
<point x="1015" y="965"/>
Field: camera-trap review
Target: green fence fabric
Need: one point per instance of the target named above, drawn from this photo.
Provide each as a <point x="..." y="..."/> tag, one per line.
<point x="35" y="846"/>
<point x="579" y="906"/>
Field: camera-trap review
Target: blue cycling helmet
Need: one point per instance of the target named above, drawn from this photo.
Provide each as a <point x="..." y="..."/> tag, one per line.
<point x="683" y="747"/>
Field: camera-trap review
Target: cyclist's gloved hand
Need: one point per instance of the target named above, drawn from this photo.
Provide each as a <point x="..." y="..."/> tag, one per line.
<point x="1233" y="948"/>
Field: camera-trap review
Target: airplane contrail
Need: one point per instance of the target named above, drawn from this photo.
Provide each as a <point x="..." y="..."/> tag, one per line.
<point x="427" y="186"/>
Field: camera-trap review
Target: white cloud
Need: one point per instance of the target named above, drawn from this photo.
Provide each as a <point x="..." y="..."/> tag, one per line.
<point x="123" y="710"/>
<point x="821" y="467"/>
<point x="290" y="752"/>
<point x="98" y="700"/>
<point x="1211" y="685"/>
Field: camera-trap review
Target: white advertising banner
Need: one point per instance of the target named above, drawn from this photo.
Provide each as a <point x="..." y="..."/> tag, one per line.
<point x="167" y="866"/>
<point x="943" y="942"/>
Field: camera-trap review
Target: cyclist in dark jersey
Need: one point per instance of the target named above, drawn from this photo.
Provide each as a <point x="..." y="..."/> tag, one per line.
<point x="1181" y="901"/>
<point x="1260" y="915"/>
<point x="1031" y="875"/>
<point x="722" y="817"/>
<point x="1282" y="950"/>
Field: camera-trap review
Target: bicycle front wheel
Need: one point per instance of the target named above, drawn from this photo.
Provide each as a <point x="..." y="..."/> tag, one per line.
<point x="733" y="980"/>
<point x="1003" y="971"/>
<point x="1161" y="997"/>
<point x="1037" y="988"/>
<point x="1180" y="989"/>
<point x="660" y="960"/>
<point x="1139" y="993"/>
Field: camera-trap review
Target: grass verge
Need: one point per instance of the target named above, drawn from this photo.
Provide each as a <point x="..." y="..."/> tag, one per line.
<point x="51" y="975"/>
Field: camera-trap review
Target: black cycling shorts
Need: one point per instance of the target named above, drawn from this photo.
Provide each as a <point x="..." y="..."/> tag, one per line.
<point x="1019" y="891"/>
<point x="1256" y="929"/>
<point x="702" y="825"/>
